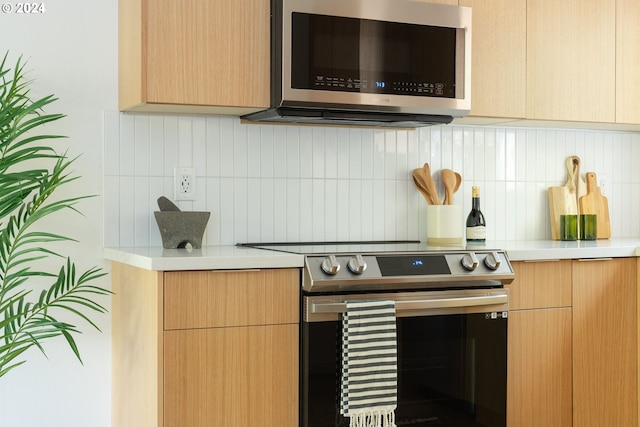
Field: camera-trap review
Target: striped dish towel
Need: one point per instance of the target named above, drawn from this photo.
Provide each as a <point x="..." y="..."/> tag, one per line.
<point x="369" y="364"/>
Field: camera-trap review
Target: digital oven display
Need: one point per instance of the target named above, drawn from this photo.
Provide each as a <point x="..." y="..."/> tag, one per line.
<point x="401" y="265"/>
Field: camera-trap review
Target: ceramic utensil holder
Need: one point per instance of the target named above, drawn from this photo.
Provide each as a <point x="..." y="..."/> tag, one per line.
<point x="445" y="225"/>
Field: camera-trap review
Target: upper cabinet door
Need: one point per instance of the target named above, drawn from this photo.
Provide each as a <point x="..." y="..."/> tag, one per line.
<point x="195" y="54"/>
<point x="571" y="60"/>
<point x="498" y="69"/>
<point x="452" y="2"/>
<point x="628" y="61"/>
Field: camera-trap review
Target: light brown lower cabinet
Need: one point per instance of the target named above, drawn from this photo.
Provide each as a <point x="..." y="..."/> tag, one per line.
<point x="539" y="345"/>
<point x="231" y="376"/>
<point x="205" y="348"/>
<point x="539" y="368"/>
<point x="573" y="343"/>
<point x="605" y="343"/>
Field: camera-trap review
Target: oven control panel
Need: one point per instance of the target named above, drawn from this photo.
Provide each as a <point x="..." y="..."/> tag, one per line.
<point x="410" y="270"/>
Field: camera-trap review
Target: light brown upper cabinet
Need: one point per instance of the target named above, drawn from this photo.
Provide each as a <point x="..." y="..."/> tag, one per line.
<point x="571" y="59"/>
<point x="499" y="58"/>
<point x="452" y="2"/>
<point x="209" y="56"/>
<point x="627" y="61"/>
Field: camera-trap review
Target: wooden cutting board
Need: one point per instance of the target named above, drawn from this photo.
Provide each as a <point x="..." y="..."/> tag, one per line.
<point x="595" y="203"/>
<point x="562" y="200"/>
<point x="581" y="185"/>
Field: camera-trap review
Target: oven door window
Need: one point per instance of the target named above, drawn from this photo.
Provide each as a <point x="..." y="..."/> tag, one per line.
<point x="451" y="372"/>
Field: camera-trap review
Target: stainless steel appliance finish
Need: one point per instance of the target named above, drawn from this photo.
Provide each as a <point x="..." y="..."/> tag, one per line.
<point x="369" y="62"/>
<point x="410" y="304"/>
<point x="410" y="270"/>
<point x="357" y="266"/>
<point x="451" y="321"/>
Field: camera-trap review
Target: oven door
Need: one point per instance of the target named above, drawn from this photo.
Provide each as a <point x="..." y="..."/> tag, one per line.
<point x="452" y="358"/>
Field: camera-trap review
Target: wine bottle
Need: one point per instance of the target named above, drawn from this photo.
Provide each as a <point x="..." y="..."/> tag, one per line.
<point x="476" y="231"/>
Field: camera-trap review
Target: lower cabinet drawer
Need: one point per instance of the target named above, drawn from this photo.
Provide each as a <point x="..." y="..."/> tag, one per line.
<point x="540" y="284"/>
<point x="206" y="299"/>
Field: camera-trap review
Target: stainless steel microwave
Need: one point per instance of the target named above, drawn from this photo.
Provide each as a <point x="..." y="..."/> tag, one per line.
<point x="369" y="62"/>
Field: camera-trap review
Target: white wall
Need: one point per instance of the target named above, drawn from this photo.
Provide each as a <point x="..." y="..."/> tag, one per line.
<point x="266" y="183"/>
<point x="72" y="52"/>
<point x="261" y="183"/>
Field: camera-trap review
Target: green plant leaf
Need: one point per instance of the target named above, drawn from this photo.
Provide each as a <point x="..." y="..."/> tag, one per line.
<point x="28" y="319"/>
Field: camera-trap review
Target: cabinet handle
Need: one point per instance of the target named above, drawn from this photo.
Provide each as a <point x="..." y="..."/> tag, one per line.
<point x="594" y="259"/>
<point x="541" y="260"/>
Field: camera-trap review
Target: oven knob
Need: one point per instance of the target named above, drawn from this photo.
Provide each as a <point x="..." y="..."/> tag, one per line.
<point x="357" y="265"/>
<point x="492" y="261"/>
<point x="470" y="261"/>
<point x="330" y="265"/>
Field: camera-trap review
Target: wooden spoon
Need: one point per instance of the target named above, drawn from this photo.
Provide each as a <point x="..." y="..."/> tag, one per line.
<point x="419" y="182"/>
<point x="430" y="185"/>
<point x="458" y="182"/>
<point x="448" y="178"/>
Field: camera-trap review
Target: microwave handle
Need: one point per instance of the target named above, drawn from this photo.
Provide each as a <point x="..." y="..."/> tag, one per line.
<point x="422" y="304"/>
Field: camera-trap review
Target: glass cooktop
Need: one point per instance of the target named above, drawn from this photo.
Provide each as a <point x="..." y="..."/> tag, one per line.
<point x="359" y="247"/>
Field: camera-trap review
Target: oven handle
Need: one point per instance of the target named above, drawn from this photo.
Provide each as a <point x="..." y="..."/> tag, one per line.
<point x="423" y="304"/>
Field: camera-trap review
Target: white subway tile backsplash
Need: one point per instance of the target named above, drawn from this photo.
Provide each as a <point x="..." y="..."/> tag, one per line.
<point x="305" y="152"/>
<point x="318" y="210"/>
<point x="171" y="159"/>
<point x="479" y="147"/>
<point x="279" y="157"/>
<point x="126" y="211"/>
<point x="293" y="151"/>
<point x="111" y="143"/>
<point x="227" y="147"/>
<point x="306" y="231"/>
<point x="141" y="147"/>
<point x="126" y="152"/>
<point x="335" y="194"/>
<point x="156" y="189"/>
<point x="214" y="203"/>
<point x="141" y="208"/>
<point x="228" y="222"/>
<point x="199" y="150"/>
<point x="343" y="151"/>
<point x="293" y="210"/>
<point x="213" y="155"/>
<point x="156" y="146"/>
<point x="318" y="155"/>
<point x="304" y="183"/>
<point x="240" y="152"/>
<point x="111" y="196"/>
<point x="280" y="209"/>
<point x="354" y="167"/>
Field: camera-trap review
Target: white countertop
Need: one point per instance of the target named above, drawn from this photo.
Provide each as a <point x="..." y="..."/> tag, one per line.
<point x="207" y="258"/>
<point x="234" y="257"/>
<point x="531" y="250"/>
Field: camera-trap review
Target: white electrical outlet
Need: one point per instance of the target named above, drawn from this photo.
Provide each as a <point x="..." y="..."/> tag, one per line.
<point x="184" y="183"/>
